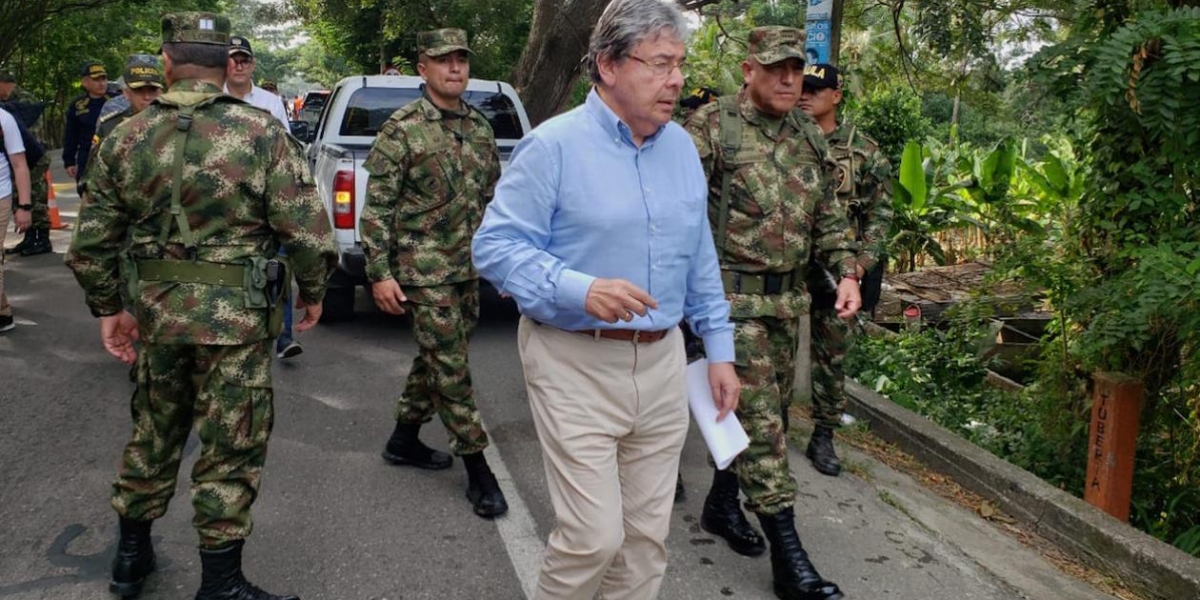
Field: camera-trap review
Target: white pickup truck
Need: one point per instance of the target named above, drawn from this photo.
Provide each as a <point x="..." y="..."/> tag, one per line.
<point x="352" y="116"/>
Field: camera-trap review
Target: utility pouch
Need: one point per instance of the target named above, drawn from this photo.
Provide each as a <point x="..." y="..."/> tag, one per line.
<point x="279" y="288"/>
<point x="256" y="283"/>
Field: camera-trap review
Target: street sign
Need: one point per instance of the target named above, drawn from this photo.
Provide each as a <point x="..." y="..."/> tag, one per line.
<point x="819" y="10"/>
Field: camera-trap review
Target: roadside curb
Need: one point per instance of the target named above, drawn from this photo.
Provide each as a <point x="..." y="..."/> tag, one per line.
<point x="1114" y="548"/>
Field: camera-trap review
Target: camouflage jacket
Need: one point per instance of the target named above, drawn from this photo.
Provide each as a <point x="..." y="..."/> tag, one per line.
<point x="432" y="173"/>
<point x="781" y="207"/>
<point x="246" y="191"/>
<point x="106" y="125"/>
<point x="864" y="190"/>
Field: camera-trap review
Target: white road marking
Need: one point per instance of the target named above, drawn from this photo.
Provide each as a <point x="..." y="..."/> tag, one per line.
<point x="517" y="529"/>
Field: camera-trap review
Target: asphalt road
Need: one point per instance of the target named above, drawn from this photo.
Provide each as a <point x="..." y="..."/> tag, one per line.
<point x="335" y="522"/>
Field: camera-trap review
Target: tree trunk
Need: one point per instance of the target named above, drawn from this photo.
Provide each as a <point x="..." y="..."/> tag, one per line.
<point x="835" y="31"/>
<point x="550" y="63"/>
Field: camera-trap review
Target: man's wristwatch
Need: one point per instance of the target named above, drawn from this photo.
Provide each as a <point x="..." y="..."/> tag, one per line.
<point x="24" y="207"/>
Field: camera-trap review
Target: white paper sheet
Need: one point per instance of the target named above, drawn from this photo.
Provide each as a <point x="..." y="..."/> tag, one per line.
<point x="726" y="439"/>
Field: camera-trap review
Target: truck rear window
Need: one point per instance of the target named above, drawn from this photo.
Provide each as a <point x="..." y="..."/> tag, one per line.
<point x="370" y="107"/>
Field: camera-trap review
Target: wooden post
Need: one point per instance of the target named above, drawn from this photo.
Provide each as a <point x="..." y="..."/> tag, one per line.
<point x="802" y="385"/>
<point x="1112" y="442"/>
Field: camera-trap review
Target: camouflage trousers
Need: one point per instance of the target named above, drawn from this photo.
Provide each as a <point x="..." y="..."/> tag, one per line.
<point x="765" y="364"/>
<point x="440" y="378"/>
<point x="831" y="340"/>
<point x="225" y="393"/>
<point x="39" y="194"/>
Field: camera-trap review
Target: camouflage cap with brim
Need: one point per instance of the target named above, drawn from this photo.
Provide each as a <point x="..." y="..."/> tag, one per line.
<point x="195" y="28"/>
<point x="442" y="41"/>
<point x="142" y="70"/>
<point x="769" y="45"/>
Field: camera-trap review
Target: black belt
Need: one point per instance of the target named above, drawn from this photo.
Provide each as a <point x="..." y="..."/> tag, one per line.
<point x="764" y="284"/>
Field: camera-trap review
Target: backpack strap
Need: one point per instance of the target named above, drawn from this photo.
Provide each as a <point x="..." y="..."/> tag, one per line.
<point x="729" y="119"/>
<point x="183" y="125"/>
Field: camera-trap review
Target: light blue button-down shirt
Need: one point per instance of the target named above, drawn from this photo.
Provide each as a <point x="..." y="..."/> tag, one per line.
<point x="579" y="200"/>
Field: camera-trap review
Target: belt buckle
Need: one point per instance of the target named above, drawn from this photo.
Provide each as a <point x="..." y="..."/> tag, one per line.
<point x="772" y="284"/>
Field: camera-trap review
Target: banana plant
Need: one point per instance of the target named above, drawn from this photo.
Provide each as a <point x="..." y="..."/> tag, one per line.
<point x="924" y="202"/>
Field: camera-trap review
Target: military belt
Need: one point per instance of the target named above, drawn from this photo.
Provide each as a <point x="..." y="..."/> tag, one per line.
<point x="182" y="271"/>
<point x="763" y="284"/>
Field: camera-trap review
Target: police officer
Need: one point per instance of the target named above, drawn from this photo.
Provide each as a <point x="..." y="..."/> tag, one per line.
<point x="18" y="100"/>
<point x="82" y="115"/>
<point x="143" y="84"/>
<point x="433" y="169"/>
<point x="864" y="192"/>
<point x="204" y="222"/>
<point x="771" y="206"/>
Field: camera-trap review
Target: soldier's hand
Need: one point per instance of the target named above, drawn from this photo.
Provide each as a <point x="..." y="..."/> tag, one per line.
<point x="612" y="300"/>
<point x="312" y="314"/>
<point x="849" y="298"/>
<point x="72" y="170"/>
<point x="119" y="332"/>
<point x="388" y="296"/>
<point x="726" y="389"/>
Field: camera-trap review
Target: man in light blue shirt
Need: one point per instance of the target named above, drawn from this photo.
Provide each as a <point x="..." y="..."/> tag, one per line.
<point x="599" y="231"/>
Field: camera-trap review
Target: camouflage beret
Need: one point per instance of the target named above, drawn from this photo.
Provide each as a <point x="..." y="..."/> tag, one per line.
<point x="142" y="70"/>
<point x="195" y="28"/>
<point x="769" y="45"/>
<point x="441" y="41"/>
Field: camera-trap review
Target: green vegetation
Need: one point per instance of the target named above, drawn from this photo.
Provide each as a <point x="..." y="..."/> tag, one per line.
<point x="1057" y="139"/>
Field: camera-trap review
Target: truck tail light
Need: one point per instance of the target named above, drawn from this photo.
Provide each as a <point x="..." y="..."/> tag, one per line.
<point x="343" y="200"/>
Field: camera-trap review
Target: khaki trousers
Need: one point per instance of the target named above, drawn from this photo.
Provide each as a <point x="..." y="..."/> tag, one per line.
<point x="5" y="212"/>
<point x="611" y="417"/>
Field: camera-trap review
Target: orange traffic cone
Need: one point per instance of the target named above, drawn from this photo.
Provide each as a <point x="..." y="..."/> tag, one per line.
<point x="55" y="219"/>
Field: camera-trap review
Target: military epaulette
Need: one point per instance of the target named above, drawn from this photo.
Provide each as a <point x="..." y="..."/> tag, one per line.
<point x="871" y="142"/>
<point x="109" y="117"/>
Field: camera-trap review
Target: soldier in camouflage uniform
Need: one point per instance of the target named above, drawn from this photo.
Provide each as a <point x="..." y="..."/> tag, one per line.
<point x="433" y="167"/>
<point x="37" y="237"/>
<point x="771" y="206"/>
<point x="203" y="190"/>
<point x="864" y="191"/>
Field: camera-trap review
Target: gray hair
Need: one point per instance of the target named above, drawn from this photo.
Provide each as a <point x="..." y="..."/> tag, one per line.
<point x="627" y="23"/>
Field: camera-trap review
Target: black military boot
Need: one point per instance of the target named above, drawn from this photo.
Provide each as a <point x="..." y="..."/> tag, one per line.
<point x="405" y="448"/>
<point x="482" y="488"/>
<point x="134" y="559"/>
<point x="40" y="244"/>
<point x="795" y="576"/>
<point x="222" y="577"/>
<point x="820" y="451"/>
<point x="723" y="516"/>
<point x="22" y="245"/>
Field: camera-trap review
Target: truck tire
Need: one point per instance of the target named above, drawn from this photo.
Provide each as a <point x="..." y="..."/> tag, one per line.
<point x="338" y="305"/>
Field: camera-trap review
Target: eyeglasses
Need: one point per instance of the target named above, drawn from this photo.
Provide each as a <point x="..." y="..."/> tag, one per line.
<point x="242" y="63"/>
<point x="663" y="68"/>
